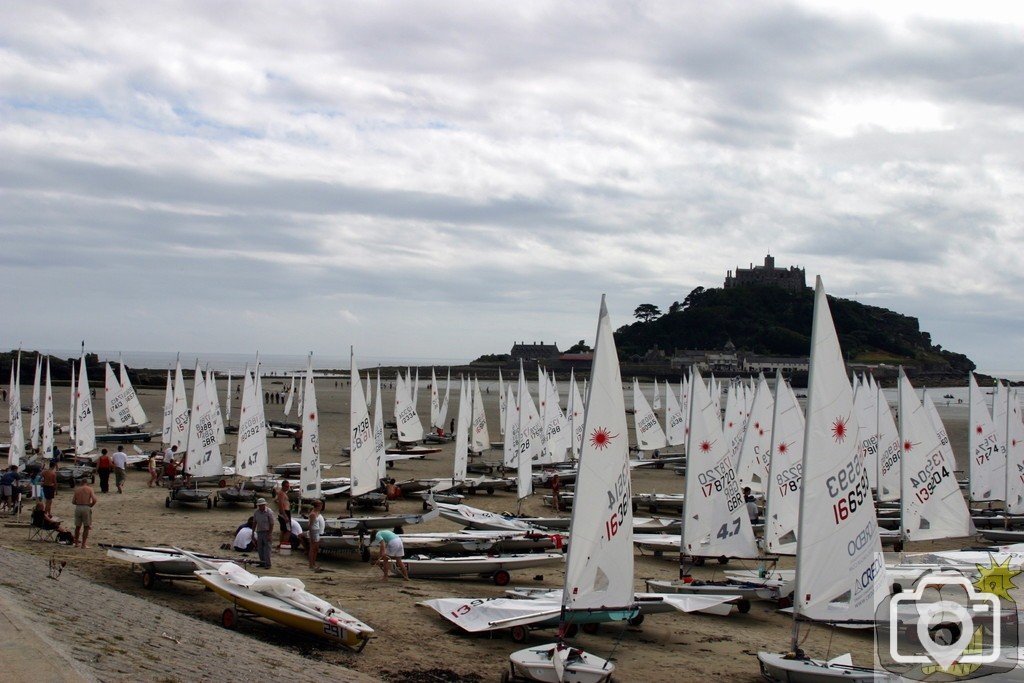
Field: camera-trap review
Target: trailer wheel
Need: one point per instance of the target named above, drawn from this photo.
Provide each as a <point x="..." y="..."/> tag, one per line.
<point x="229" y="618"/>
<point x="399" y="530"/>
<point x="743" y="606"/>
<point x="635" y="621"/>
<point x="519" y="634"/>
<point x="222" y="483"/>
<point x="653" y="509"/>
<point x="660" y="466"/>
<point x="348" y="504"/>
<point x="391" y="463"/>
<point x="167" y="502"/>
<point x="723" y="560"/>
<point x="501" y="577"/>
<point x="364" y="554"/>
<point x="698" y="561"/>
<point x="490" y="490"/>
<point x="505" y="678"/>
<point x="149" y="579"/>
<point x="591" y="629"/>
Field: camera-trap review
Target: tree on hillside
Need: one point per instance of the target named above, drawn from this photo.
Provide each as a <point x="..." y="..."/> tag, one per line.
<point x="646" y="312"/>
<point x="675" y="307"/>
<point x="580" y="347"/>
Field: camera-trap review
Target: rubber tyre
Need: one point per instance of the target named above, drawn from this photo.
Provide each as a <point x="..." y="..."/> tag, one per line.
<point x="505" y="676"/>
<point x="364" y="554"/>
<point x="723" y="560"/>
<point x="501" y="578"/>
<point x="572" y="630"/>
<point x="591" y="629"/>
<point x="472" y="490"/>
<point x="229" y="618"/>
<point x="519" y="634"/>
<point x="148" y="579"/>
<point x="167" y="502"/>
<point x="635" y="621"/>
<point x="698" y="562"/>
<point x="660" y="466"/>
<point x="209" y="503"/>
<point x="391" y="463"/>
<point x="490" y="490"/>
<point x="743" y="606"/>
<point x="222" y="483"/>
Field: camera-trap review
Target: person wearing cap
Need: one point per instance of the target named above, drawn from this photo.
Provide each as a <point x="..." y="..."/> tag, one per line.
<point x="264" y="521"/>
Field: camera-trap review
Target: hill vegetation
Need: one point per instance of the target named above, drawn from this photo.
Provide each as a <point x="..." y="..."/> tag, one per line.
<point x="776" y="322"/>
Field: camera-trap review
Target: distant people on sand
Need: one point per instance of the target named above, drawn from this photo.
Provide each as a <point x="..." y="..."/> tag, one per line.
<point x="10" y="491"/>
<point x="120" y="468"/>
<point x="264" y="521"/>
<point x="104" y="466"/>
<point x="84" y="500"/>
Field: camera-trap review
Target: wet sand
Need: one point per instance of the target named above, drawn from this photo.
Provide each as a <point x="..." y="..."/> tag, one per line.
<point x="409" y="639"/>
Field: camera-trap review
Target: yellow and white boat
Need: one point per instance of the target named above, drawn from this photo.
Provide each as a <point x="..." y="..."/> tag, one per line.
<point x="283" y="600"/>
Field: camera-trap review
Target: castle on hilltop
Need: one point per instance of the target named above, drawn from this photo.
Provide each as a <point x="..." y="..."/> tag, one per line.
<point x="792" y="278"/>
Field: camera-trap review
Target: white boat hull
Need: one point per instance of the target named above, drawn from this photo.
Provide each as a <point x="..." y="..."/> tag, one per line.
<point x="777" y="667"/>
<point x="537" y="664"/>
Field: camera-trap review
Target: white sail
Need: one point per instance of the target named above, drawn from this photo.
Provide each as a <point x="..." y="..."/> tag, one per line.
<point x="656" y="403"/>
<point x="715" y="519"/>
<point x="409" y="427"/>
<point x="416" y="389"/>
<point x="1000" y="403"/>
<point x="733" y="423"/>
<point x="47" y="436"/>
<point x="309" y="475"/>
<point x="987" y="466"/>
<point x="864" y="403"/>
<point x="73" y="405"/>
<point x="118" y="414"/>
<point x="575" y="416"/>
<point x="940" y="428"/>
<point x="168" y="426"/>
<point x="301" y="389"/>
<point x="931" y="504"/>
<point x="556" y="429"/>
<point x="442" y="413"/>
<point x="251" y="455"/>
<point x="510" y="448"/>
<point x="756" y="449"/>
<point x="17" y="431"/>
<point x="289" y="397"/>
<point x="33" y="425"/>
<point x="889" y="448"/>
<point x="649" y="434"/>
<point x="599" y="566"/>
<point x="462" y="429"/>
<point x="675" y="423"/>
<point x="502" y="404"/>
<point x="685" y="389"/>
<point x="481" y="440"/>
<point x="840" y="573"/>
<point x="204" y="458"/>
<point x="782" y="495"/>
<point x="85" y="427"/>
<point x="363" y="453"/>
<point x="179" y="437"/>
<point x="399" y="393"/>
<point x="716" y="394"/>
<point x="378" y="433"/>
<point x="1014" y="455"/>
<point x="527" y="443"/>
<point x="227" y="400"/>
<point x="215" y="414"/>
<point x="131" y="399"/>
<point x="435" y="401"/>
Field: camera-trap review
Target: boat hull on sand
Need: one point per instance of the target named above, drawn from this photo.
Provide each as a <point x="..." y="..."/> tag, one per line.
<point x="779" y="667"/>
<point x="495" y="567"/>
<point x="537" y="664"/>
<point x="338" y="627"/>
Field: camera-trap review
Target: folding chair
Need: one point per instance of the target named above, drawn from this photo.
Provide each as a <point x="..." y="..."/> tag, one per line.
<point x="41" y="534"/>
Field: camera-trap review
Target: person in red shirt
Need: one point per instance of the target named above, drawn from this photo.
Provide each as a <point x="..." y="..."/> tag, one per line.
<point x="104" y="466"/>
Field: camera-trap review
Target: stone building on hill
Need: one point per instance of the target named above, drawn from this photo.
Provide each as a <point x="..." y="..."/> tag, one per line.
<point x="792" y="278"/>
<point x="535" y="352"/>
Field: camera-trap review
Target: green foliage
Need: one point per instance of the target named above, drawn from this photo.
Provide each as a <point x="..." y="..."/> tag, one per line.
<point x="580" y="347"/>
<point x="775" y="321"/>
<point x="499" y="358"/>
<point x="646" y="312"/>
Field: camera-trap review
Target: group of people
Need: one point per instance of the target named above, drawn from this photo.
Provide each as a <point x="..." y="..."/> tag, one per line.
<point x="116" y="464"/>
<point x="83" y="499"/>
<point x="257" y="534"/>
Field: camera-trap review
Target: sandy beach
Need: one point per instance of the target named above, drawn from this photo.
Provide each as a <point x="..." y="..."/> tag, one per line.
<point x="121" y="634"/>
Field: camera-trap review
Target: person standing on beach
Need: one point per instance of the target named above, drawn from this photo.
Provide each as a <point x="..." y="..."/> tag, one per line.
<point x="316" y="527"/>
<point x="284" y="513"/>
<point x="391" y="548"/>
<point x="104" y="466"/>
<point x="153" y="473"/>
<point x="264" y="521"/>
<point x="84" y="500"/>
<point x="50" y="485"/>
<point x="120" y="465"/>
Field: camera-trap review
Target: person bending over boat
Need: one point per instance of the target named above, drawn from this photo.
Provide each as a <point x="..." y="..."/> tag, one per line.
<point x="391" y="548"/>
<point x="317" y="525"/>
<point x="245" y="538"/>
<point x="84" y="499"/>
<point x="264" y="520"/>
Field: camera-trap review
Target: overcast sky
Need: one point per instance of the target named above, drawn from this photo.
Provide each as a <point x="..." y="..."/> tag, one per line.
<point x="439" y="179"/>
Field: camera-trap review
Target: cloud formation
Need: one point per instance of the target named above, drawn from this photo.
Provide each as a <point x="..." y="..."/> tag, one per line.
<point x="440" y="179"/>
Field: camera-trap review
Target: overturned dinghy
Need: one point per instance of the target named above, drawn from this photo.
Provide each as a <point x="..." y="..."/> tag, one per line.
<point x="284" y="601"/>
<point x="495" y="567"/>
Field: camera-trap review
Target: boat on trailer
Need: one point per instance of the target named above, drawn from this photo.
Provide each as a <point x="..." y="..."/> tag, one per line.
<point x="168" y="564"/>
<point x="497" y="568"/>
<point x="285" y="601"/>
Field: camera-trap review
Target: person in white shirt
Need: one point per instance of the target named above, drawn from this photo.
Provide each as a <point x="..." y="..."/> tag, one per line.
<point x="316" y="529"/>
<point x="120" y="465"/>
<point x="295" y="534"/>
<point x="245" y="540"/>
